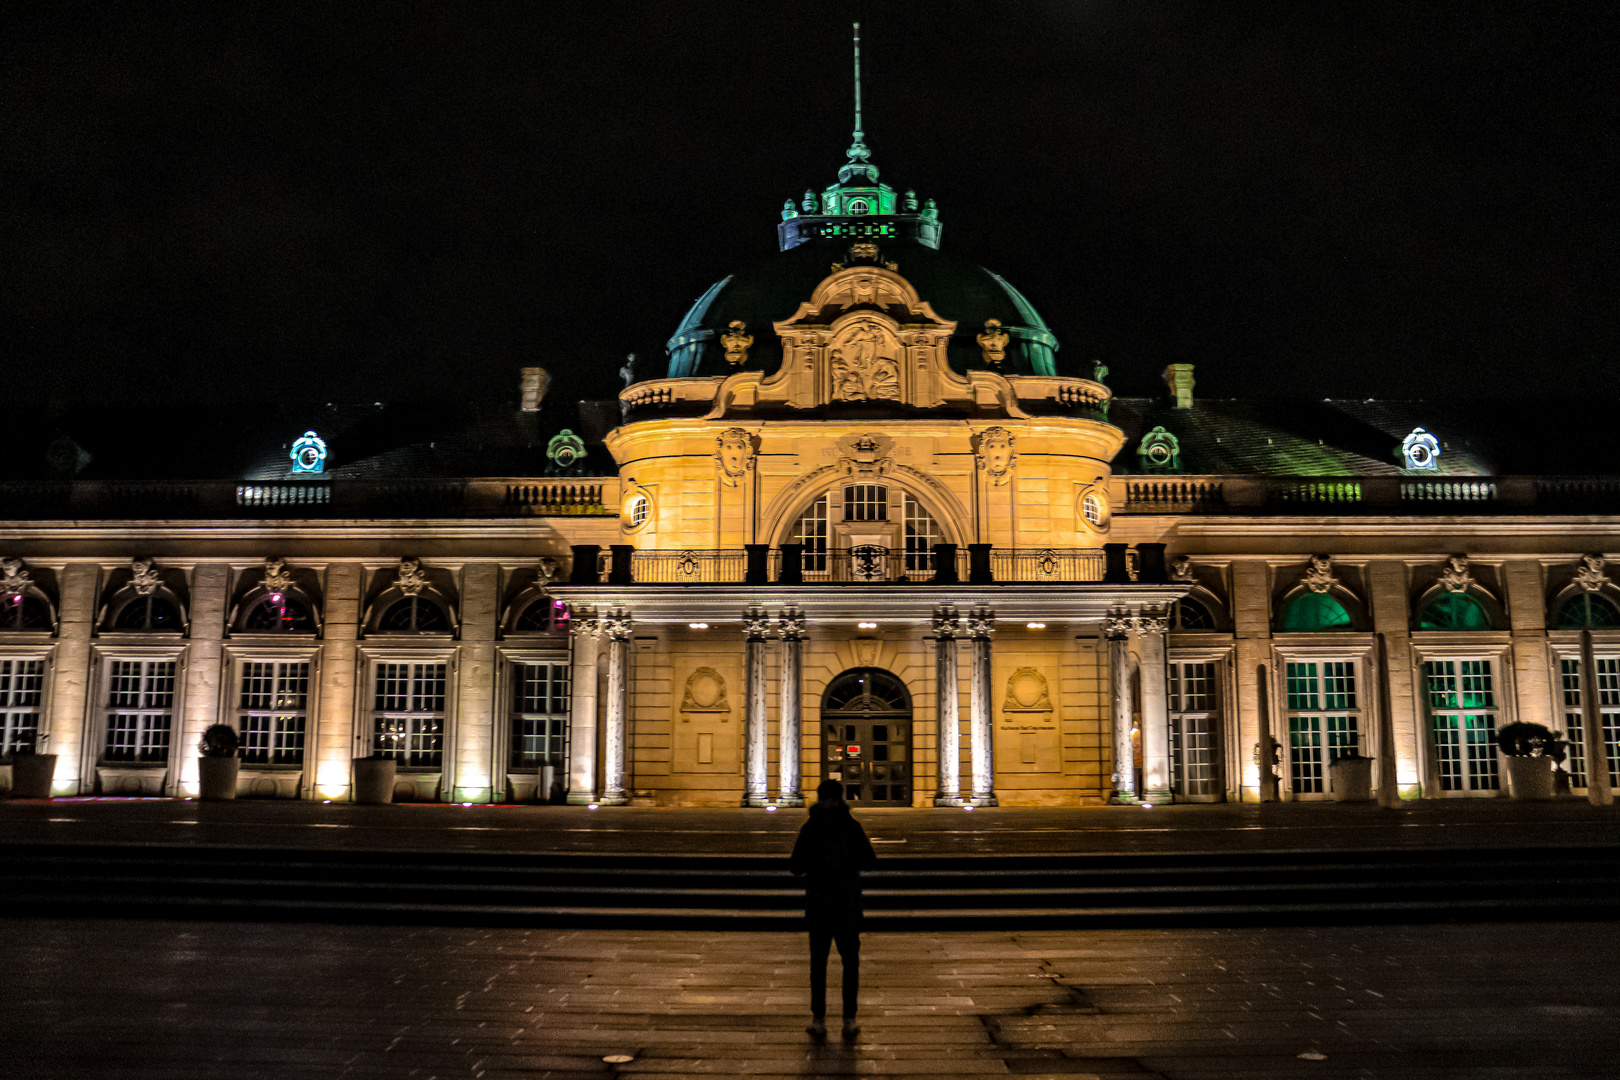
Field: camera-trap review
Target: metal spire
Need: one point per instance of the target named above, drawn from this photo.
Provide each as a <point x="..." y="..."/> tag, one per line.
<point x="858" y="131"/>
<point x="859" y="163"/>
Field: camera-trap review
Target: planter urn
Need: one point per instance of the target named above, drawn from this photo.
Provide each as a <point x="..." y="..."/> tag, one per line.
<point x="374" y="780"/>
<point x="1351" y="779"/>
<point x="31" y="775"/>
<point x="1530" y="777"/>
<point x="216" y="777"/>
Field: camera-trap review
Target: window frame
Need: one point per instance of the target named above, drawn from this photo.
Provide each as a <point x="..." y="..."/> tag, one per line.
<point x="42" y="726"/>
<point x="1605" y="648"/>
<point x="1456" y="645"/>
<point x="366" y="715"/>
<point x="510" y="660"/>
<point x="164" y="649"/>
<point x="1224" y="737"/>
<point x="237" y="656"/>
<point x="1356" y="647"/>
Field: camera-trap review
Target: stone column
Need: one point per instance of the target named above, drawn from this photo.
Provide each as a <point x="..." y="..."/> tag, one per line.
<point x="71" y="731"/>
<point x="756" y="733"/>
<point x="790" y="623"/>
<point x="1117" y="629"/>
<point x="1155" y="709"/>
<point x="582" y="717"/>
<point x="1599" y="791"/>
<point x="210" y="592"/>
<point x="981" y="624"/>
<point x="616" y="624"/>
<point x="948" y="719"/>
<point x="472" y="734"/>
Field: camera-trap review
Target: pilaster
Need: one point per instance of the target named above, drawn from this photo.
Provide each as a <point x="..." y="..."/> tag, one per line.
<point x="474" y="734"/>
<point x="210" y="587"/>
<point x="1388" y="586"/>
<point x="335" y="738"/>
<point x="70" y="681"/>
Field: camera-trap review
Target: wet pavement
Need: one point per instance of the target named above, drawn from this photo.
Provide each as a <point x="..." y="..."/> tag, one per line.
<point x="176" y="1000"/>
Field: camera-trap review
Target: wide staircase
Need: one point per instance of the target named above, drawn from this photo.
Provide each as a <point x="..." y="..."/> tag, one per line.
<point x="757" y="893"/>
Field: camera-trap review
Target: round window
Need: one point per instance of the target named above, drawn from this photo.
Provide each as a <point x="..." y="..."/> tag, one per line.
<point x="1094" y="509"/>
<point x="1159" y="454"/>
<point x="636" y="511"/>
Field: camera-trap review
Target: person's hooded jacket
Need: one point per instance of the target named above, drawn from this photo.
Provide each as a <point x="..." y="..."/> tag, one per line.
<point x="830" y="854"/>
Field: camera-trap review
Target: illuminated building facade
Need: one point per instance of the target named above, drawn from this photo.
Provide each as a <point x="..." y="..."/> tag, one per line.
<point x="864" y="527"/>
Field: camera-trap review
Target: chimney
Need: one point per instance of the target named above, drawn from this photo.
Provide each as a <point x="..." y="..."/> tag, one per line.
<point x="1180" y="378"/>
<point x="533" y="389"/>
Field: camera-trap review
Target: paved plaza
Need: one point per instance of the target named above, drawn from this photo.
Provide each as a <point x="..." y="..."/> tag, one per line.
<point x="177" y="1001"/>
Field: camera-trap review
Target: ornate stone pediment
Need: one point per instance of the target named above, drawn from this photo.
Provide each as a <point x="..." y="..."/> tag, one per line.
<point x="1319" y="578"/>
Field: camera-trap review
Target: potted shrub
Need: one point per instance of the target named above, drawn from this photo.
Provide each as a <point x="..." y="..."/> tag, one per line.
<point x="218" y="766"/>
<point x="374" y="775"/>
<point x="1529" y="750"/>
<point x="1350" y="776"/>
<point x="31" y="773"/>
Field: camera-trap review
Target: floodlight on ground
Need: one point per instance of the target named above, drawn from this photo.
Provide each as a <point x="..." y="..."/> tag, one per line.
<point x="593" y="806"/>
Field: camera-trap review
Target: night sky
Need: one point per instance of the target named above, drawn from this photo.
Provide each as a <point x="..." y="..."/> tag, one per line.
<point x="357" y="202"/>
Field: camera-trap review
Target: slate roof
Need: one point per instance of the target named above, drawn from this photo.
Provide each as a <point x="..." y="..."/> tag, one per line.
<point x="1332" y="437"/>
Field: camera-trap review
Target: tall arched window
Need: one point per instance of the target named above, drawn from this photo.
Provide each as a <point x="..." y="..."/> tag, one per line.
<point x="811" y="531"/>
<point x="1313" y="612"/>
<point x="542" y="615"/>
<point x="1191" y="614"/>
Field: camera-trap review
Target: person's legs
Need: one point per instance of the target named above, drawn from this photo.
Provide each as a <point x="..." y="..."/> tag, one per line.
<point x="849" y="952"/>
<point x="820" y="943"/>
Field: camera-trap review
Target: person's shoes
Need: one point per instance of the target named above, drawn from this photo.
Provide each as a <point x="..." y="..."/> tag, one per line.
<point x="817" y="1028"/>
<point x="851" y="1029"/>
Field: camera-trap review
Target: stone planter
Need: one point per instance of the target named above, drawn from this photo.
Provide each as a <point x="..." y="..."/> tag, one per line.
<point x="1351" y="779"/>
<point x="216" y="777"/>
<point x="1530" y="777"/>
<point x="374" y="780"/>
<point x="31" y="775"/>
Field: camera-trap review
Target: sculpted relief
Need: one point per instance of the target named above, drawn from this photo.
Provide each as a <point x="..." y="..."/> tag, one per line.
<point x="865" y="364"/>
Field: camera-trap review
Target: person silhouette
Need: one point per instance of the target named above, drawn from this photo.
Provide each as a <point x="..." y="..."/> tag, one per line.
<point x="830" y="853"/>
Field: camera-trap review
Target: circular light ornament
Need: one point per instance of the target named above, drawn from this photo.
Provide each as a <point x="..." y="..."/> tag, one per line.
<point x="308" y="453"/>
<point x="1421" y="451"/>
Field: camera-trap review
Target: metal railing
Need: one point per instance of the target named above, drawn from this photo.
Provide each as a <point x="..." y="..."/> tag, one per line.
<point x="1047" y="564"/>
<point x="863" y="564"/>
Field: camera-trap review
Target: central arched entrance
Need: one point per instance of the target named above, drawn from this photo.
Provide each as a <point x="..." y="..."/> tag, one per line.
<point x="866" y="737"/>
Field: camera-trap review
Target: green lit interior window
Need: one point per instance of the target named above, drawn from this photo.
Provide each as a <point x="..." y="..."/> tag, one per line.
<point x="1588" y="610"/>
<point x="1310" y="612"/>
<point x="1453" y="611"/>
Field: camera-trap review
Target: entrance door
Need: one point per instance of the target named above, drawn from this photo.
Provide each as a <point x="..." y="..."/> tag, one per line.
<point x="866" y="737"/>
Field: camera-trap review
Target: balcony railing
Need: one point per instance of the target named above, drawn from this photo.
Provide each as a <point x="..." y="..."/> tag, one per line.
<point x="858" y="565"/>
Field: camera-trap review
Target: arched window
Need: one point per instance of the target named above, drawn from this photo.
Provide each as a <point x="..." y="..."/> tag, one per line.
<point x="154" y="613"/>
<point x="1587" y="611"/>
<point x="922" y="533"/>
<point x="25" y="611"/>
<point x="858" y="206"/>
<point x="1190" y="614"/>
<point x="543" y="615"/>
<point x="1453" y="611"/>
<point x="278" y="613"/>
<point x="413" y="615"/>
<point x="866" y="690"/>
<point x="811" y="531"/>
<point x="1312" y="612"/>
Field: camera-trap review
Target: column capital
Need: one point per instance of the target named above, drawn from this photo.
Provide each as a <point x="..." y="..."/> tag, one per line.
<point x="1152" y="622"/>
<point x="947" y="624"/>
<point x="981" y="623"/>
<point x="616" y="624"/>
<point x="756" y="624"/>
<point x="582" y="621"/>
<point x="790" y="624"/>
<point x="1116" y="626"/>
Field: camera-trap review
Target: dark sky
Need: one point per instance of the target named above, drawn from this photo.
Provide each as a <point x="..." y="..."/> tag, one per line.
<point x="354" y="201"/>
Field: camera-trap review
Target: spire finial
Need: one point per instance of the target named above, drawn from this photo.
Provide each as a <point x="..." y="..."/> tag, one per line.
<point x="859" y="164"/>
<point x="858" y="131"/>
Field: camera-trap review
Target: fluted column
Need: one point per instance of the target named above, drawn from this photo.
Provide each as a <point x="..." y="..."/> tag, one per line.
<point x="1117" y="629"/>
<point x="790" y="624"/>
<point x="616" y="624"/>
<point x="756" y="736"/>
<point x="949" y="722"/>
<point x="584" y="626"/>
<point x="981" y="624"/>
<point x="1155" y="709"/>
